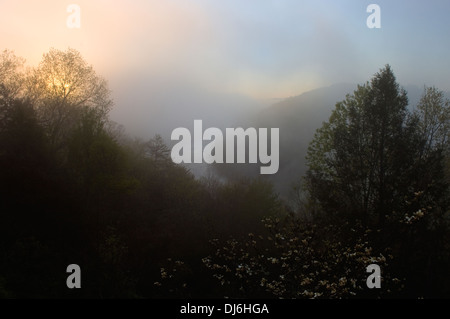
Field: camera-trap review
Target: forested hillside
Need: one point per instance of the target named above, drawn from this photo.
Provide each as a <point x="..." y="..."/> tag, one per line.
<point x="75" y="189"/>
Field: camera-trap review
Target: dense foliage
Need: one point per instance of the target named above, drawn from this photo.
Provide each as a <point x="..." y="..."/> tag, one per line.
<point x="75" y="189"/>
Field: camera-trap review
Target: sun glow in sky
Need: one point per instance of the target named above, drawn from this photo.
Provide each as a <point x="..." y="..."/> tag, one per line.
<point x="259" y="49"/>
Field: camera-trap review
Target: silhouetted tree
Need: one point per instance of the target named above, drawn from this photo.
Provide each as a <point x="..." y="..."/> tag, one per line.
<point x="359" y="159"/>
<point x="374" y="161"/>
<point x="61" y="87"/>
<point x="12" y="74"/>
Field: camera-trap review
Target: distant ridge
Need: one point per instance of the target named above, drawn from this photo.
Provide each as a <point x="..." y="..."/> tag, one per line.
<point x="298" y="118"/>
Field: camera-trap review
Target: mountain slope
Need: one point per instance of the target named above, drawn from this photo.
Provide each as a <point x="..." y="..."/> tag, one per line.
<point x="297" y="118"/>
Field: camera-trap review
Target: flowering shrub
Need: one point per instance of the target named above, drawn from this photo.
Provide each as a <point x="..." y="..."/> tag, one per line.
<point x="173" y="279"/>
<point x="300" y="260"/>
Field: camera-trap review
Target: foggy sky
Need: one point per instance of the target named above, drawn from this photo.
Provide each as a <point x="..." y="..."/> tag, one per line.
<point x="155" y="51"/>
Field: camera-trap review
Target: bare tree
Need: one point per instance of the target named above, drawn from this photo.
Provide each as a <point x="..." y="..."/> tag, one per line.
<point x="11" y="74"/>
<point x="433" y="112"/>
<point x="61" y="88"/>
<point x="11" y="84"/>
